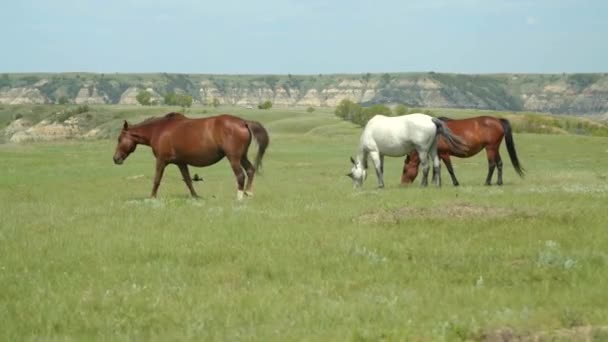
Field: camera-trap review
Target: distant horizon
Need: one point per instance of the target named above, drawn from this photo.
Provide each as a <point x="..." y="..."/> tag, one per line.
<point x="292" y="74"/>
<point x="305" y="37"/>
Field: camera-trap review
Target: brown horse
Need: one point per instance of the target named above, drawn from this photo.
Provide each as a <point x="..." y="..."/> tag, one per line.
<point x="477" y="133"/>
<point x="176" y="139"/>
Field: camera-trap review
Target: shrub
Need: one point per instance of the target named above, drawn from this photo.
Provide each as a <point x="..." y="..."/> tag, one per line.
<point x="348" y="110"/>
<point x="400" y="110"/>
<point x="216" y="102"/>
<point x="144" y="97"/>
<point x="265" y="105"/>
<point x="63" y="100"/>
<point x="181" y="100"/>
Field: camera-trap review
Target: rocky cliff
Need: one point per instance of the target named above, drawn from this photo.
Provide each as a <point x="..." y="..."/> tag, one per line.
<point x="563" y="93"/>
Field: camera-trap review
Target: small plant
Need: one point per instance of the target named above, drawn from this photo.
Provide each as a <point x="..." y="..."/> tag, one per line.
<point x="310" y="110"/>
<point x="571" y="318"/>
<point x="80" y="109"/>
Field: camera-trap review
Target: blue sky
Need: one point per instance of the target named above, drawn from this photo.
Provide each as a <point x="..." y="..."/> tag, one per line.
<point x="304" y="36"/>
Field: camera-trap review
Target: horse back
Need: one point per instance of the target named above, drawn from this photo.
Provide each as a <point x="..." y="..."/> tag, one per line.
<point x="222" y="129"/>
<point x="396" y="136"/>
<point x="203" y="141"/>
<point x="477" y="133"/>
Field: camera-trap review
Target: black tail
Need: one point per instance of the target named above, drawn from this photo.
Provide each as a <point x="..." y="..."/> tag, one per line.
<point x="455" y="142"/>
<point x="506" y="126"/>
<point x="259" y="133"/>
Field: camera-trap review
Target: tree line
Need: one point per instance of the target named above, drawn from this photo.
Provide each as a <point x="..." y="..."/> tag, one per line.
<point x="357" y="114"/>
<point x="144" y="98"/>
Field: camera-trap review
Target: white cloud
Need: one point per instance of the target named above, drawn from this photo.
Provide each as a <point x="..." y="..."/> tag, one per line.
<point x="531" y="20"/>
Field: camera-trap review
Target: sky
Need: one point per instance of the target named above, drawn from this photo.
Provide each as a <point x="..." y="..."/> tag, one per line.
<point x="304" y="36"/>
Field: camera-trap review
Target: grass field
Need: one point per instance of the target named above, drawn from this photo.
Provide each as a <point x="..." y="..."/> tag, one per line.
<point x="86" y="255"/>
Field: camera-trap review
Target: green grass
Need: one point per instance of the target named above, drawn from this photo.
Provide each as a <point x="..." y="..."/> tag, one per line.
<point x="86" y="255"/>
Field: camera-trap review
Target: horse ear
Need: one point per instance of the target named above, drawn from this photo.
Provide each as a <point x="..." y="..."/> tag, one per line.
<point x="352" y="160"/>
<point x="125" y="126"/>
<point x="350" y="175"/>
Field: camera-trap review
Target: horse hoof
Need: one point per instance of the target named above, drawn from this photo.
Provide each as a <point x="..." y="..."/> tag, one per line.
<point x="239" y="195"/>
<point x="248" y="194"/>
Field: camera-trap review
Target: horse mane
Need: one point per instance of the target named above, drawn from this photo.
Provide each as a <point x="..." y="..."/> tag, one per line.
<point x="444" y="118"/>
<point x="155" y="119"/>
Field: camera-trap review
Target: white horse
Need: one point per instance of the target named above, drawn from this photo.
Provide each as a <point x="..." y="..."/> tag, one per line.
<point x="398" y="136"/>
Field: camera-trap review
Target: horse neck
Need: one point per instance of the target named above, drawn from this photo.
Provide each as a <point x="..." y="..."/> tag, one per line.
<point x="142" y="134"/>
<point x="362" y="158"/>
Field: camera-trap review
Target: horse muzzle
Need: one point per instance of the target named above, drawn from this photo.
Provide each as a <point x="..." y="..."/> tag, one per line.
<point x="118" y="160"/>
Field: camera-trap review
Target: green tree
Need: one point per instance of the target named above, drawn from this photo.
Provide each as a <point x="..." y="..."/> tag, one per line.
<point x="144" y="97"/>
<point x="170" y="98"/>
<point x="184" y="101"/>
<point x="348" y="110"/>
<point x="385" y="80"/>
<point x="181" y="100"/>
<point x="216" y="102"/>
<point x="5" y="81"/>
<point x="367" y="77"/>
<point x="377" y="109"/>
<point x="63" y="100"/>
<point x="265" y="105"/>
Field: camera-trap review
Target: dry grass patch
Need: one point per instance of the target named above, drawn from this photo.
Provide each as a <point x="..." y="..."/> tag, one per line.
<point x="579" y="333"/>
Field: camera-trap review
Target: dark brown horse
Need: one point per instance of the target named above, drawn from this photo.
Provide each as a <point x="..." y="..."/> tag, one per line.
<point x="176" y="139"/>
<point x="477" y="133"/>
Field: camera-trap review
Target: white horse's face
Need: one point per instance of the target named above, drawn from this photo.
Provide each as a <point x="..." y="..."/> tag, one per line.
<point x="358" y="173"/>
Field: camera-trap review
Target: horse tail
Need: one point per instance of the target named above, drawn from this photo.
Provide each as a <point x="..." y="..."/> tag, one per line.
<point x="506" y="126"/>
<point x="259" y="133"/>
<point x="455" y="142"/>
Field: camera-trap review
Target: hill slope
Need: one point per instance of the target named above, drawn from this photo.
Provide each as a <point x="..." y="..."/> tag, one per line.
<point x="565" y="93"/>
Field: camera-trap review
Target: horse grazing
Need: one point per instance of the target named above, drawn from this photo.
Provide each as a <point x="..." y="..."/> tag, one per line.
<point x="478" y="133"/>
<point x="176" y="139"/>
<point x="398" y="136"/>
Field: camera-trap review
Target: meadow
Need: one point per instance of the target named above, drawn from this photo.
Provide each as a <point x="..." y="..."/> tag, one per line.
<point x="86" y="255"/>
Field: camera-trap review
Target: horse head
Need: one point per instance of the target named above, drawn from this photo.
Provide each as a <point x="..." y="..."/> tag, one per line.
<point x="358" y="172"/>
<point x="410" y="168"/>
<point x="127" y="143"/>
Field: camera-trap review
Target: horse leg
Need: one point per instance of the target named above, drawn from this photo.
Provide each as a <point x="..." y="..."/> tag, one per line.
<point x="235" y="163"/>
<point x="491" y="153"/>
<point x="246" y="164"/>
<point x="448" y="164"/>
<point x="183" y="168"/>
<point x="424" y="162"/>
<point x="377" y="159"/>
<point x="436" y="167"/>
<point x="499" y="167"/>
<point x="160" y="169"/>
